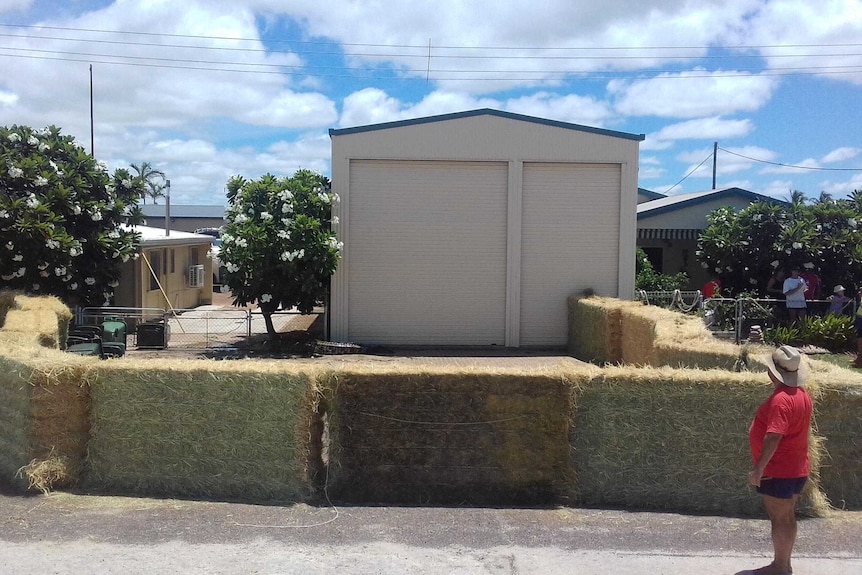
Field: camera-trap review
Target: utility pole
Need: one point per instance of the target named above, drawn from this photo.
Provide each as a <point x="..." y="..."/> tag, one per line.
<point x="92" y="153"/>
<point x="168" y="208"/>
<point x="714" y="162"/>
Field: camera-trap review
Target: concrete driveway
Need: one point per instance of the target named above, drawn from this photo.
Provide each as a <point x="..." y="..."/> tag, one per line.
<point x="77" y="534"/>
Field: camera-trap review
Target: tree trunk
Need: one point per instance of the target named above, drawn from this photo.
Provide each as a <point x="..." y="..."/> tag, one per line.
<point x="270" y="328"/>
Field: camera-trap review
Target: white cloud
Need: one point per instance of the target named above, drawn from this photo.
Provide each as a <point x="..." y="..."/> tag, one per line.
<point x="840" y="155"/>
<point x="7" y="98"/>
<point x="800" y="167"/>
<point x="14" y="5"/>
<point x="692" y="94"/>
<point x="713" y="128"/>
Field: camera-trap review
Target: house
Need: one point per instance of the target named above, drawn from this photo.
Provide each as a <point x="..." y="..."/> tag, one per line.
<point x="473" y="228"/>
<point x="669" y="226"/>
<point x="173" y="270"/>
<point x="645" y="195"/>
<point x="184" y="218"/>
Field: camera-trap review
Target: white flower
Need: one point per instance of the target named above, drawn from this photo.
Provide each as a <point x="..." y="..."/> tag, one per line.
<point x="33" y="141"/>
<point x="285" y="256"/>
<point x="324" y="197"/>
<point x="4" y="214"/>
<point x="43" y="265"/>
<point x="13" y="137"/>
<point x="704" y="265"/>
<point x="266" y="216"/>
<point x="851" y="222"/>
<point x="285" y="196"/>
<point x="728" y="268"/>
<point x="73" y="285"/>
<point x="59" y="271"/>
<point x="286" y="222"/>
<point x="17" y="258"/>
<point x="797" y="246"/>
<point x="101" y="167"/>
<point x="718" y="270"/>
<point x="284" y="234"/>
<point x="335" y="197"/>
<point x="32" y="201"/>
<point x="43" y="147"/>
<point x="114" y="283"/>
<point x="241" y="218"/>
<point x="125" y="258"/>
<point x="41" y="181"/>
<point x="808" y="265"/>
<point x="76" y="210"/>
<point x="127" y="183"/>
<point x="300" y="254"/>
<point x="8" y="277"/>
<point x="788" y="251"/>
<point x="52" y="244"/>
<point x="44" y="274"/>
<point x="752" y="281"/>
<point x="90" y="281"/>
<point x="289" y="256"/>
<point x="774" y="263"/>
<point x="757" y="218"/>
<point x="241" y="242"/>
<point x="21" y="272"/>
<point x="265" y="298"/>
<point x="10" y="246"/>
<point x="286" y="208"/>
<point x="232" y="267"/>
<point x="334" y="220"/>
<point x="35" y="287"/>
<point x="15" y="172"/>
<point x="96" y="215"/>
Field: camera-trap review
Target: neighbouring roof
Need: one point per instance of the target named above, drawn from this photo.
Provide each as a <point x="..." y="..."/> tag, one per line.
<point x="650" y="194"/>
<point x="484" y="112"/>
<point x="184" y="211"/>
<point x="155" y="237"/>
<point x="670" y="203"/>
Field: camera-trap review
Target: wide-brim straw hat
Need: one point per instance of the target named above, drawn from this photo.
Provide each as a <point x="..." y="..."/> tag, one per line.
<point x="788" y="366"/>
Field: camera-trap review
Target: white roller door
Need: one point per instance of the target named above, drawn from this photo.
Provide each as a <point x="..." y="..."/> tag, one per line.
<point x="427" y="250"/>
<point x="569" y="242"/>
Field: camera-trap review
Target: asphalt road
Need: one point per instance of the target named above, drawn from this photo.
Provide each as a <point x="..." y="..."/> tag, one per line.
<point x="64" y="533"/>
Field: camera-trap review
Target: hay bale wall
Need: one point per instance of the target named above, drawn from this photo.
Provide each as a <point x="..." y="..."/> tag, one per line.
<point x="839" y="421"/>
<point x="202" y="429"/>
<point x="423" y="437"/>
<point x="669" y="439"/>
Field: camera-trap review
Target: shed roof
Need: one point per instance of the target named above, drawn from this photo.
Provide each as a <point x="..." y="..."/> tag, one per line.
<point x="671" y="203"/>
<point x="155" y="237"/>
<point x="484" y="112"/>
<point x="183" y="211"/>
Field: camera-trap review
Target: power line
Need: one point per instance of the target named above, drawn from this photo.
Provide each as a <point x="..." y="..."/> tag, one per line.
<point x="688" y="174"/>
<point x="817" y="169"/>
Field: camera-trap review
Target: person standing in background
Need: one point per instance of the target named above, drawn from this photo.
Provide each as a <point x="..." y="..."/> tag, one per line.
<point x="794" y="295"/>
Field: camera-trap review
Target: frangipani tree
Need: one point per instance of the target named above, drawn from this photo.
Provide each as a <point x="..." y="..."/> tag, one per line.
<point x="745" y="248"/>
<point x="278" y="248"/>
<point x="62" y="217"/>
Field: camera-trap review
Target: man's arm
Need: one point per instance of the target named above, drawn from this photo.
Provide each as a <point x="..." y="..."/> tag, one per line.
<point x="770" y="444"/>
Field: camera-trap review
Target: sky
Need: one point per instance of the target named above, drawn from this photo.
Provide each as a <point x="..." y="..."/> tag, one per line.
<point x="207" y="89"/>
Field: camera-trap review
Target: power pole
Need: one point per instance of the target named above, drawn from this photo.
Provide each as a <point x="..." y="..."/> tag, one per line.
<point x="92" y="153"/>
<point x="714" y="162"/>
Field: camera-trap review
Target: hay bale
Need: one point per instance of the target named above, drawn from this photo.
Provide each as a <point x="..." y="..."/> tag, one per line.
<point x="41" y="322"/>
<point x="423" y="435"/>
<point x="45" y="428"/>
<point x="595" y="328"/>
<point x="225" y="430"/>
<point x="669" y="439"/>
<point x="656" y="336"/>
<point x="839" y="422"/>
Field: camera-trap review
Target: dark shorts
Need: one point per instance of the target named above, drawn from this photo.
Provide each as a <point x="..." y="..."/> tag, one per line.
<point x="781" y="488"/>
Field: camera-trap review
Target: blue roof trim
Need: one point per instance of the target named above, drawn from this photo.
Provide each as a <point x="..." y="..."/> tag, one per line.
<point x="184" y="211"/>
<point x="484" y="112"/>
<point x="719" y="194"/>
<point x="651" y="194"/>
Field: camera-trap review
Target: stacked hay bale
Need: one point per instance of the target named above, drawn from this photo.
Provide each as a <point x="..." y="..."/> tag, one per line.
<point x="595" y="328"/>
<point x="838" y="419"/>
<point x="45" y="404"/>
<point x="670" y="439"/>
<point x="426" y="435"/>
<point x="226" y="430"/>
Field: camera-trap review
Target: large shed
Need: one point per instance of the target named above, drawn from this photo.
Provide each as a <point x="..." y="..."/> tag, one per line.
<point x="473" y="228"/>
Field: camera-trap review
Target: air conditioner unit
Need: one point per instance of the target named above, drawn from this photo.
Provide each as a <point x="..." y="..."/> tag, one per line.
<point x="196" y="276"/>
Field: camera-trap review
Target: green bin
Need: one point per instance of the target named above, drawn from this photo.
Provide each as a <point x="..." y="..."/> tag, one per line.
<point x="114" y="330"/>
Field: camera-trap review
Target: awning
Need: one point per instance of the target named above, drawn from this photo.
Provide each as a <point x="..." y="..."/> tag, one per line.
<point x="667" y="234"/>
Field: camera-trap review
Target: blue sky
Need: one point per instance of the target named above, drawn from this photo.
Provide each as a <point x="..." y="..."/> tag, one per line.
<point x="207" y="89"/>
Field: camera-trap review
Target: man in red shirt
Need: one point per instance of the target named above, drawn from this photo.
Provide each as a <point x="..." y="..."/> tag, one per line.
<point x="778" y="438"/>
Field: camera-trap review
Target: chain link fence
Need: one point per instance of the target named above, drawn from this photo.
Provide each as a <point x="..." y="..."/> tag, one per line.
<point x="197" y="329"/>
<point x="733" y="318"/>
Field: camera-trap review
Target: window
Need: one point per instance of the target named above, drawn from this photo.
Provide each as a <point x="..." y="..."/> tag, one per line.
<point x="155" y="257"/>
<point x="656" y="258"/>
<point x="173" y="261"/>
<point x="194" y="255"/>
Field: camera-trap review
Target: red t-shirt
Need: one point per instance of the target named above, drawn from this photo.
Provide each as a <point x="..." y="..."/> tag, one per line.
<point x="788" y="412"/>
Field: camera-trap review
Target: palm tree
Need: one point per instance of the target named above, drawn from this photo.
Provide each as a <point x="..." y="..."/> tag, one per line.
<point x="150" y="176"/>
